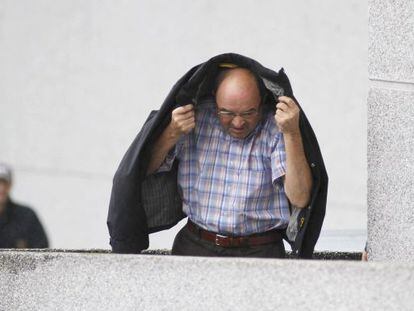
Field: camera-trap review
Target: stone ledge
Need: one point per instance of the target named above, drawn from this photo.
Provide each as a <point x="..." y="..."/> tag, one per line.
<point x="319" y="255"/>
<point x="62" y="280"/>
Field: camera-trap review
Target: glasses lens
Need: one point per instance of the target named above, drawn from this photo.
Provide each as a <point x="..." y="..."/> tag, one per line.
<point x="248" y="114"/>
<point x="226" y="114"/>
<point x="230" y="115"/>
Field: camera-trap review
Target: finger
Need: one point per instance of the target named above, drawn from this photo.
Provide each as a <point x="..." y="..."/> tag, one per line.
<point x="280" y="112"/>
<point x="287" y="100"/>
<point x="184" y="116"/>
<point x="280" y="118"/>
<point x="189" y="123"/>
<point x="186" y="122"/>
<point x="189" y="118"/>
<point x="183" y="109"/>
<point x="179" y="116"/>
<point x="188" y="107"/>
<point x="188" y="127"/>
<point x="282" y="106"/>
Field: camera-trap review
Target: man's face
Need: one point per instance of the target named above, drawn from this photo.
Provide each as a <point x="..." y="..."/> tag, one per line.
<point x="238" y="103"/>
<point x="4" y="191"/>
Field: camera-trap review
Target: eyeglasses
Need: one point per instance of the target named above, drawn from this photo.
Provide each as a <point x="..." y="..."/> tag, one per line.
<point x="229" y="115"/>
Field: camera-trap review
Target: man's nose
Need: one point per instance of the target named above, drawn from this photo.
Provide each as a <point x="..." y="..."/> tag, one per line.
<point x="238" y="121"/>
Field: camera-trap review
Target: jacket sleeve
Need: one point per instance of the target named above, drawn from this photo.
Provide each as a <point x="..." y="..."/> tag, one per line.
<point x="37" y="237"/>
<point x="308" y="235"/>
<point x="313" y="224"/>
<point x="126" y="218"/>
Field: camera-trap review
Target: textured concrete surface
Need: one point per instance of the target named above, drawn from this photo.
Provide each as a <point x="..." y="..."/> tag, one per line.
<point x="73" y="281"/>
<point x="391" y="174"/>
<point x="78" y="78"/>
<point x="324" y="255"/>
<point x="391" y="40"/>
<point x="391" y="130"/>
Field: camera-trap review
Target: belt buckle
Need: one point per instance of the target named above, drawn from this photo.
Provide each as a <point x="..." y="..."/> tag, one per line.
<point x="218" y="236"/>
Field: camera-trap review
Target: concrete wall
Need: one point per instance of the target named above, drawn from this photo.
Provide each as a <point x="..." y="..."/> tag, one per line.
<point x="78" y="79"/>
<point x="55" y="281"/>
<point x="391" y="130"/>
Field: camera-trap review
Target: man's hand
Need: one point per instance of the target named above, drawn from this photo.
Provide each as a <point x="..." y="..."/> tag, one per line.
<point x="287" y="115"/>
<point x="298" y="178"/>
<point x="182" y="120"/>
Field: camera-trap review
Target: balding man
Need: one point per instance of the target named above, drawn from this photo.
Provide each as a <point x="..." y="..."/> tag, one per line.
<point x="240" y="165"/>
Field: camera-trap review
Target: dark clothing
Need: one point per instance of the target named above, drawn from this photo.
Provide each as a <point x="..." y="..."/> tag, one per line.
<point x="20" y="228"/>
<point x="141" y="204"/>
<point x="186" y="243"/>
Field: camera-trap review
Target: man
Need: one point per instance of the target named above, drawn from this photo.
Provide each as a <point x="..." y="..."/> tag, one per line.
<point x="252" y="174"/>
<point x="19" y="225"/>
<point x="236" y="191"/>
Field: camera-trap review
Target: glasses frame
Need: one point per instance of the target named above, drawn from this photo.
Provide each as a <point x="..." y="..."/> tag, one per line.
<point x="245" y="115"/>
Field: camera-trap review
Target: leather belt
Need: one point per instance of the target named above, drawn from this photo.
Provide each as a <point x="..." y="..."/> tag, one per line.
<point x="267" y="237"/>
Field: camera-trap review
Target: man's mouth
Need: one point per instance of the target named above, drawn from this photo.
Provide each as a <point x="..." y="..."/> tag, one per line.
<point x="237" y="129"/>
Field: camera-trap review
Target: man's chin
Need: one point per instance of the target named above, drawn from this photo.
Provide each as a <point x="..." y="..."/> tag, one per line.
<point x="237" y="134"/>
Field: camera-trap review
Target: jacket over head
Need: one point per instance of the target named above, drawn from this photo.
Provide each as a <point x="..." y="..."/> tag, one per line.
<point x="141" y="204"/>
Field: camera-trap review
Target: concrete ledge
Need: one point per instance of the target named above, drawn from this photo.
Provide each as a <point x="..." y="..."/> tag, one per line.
<point x="101" y="281"/>
<point x="320" y="255"/>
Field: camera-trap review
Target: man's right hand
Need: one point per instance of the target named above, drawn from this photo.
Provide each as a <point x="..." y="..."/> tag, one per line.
<point x="182" y="120"/>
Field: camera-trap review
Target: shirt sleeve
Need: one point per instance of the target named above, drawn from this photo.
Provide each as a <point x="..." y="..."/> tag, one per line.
<point x="278" y="159"/>
<point x="173" y="154"/>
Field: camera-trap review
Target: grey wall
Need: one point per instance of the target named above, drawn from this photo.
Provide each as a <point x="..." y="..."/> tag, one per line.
<point x="391" y="130"/>
<point x="78" y="78"/>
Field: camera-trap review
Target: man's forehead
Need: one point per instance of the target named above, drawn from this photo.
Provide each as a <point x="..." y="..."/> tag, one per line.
<point x="237" y="91"/>
<point x="237" y="80"/>
<point x="238" y="73"/>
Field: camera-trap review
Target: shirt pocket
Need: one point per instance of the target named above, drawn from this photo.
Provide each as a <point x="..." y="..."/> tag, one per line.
<point x="256" y="177"/>
<point x="258" y="161"/>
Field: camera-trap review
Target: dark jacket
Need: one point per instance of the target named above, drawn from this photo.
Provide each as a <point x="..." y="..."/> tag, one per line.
<point x="20" y="228"/>
<point x="140" y="205"/>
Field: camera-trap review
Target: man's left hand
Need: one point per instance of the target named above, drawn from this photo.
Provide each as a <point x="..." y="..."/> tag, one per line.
<point x="287" y="115"/>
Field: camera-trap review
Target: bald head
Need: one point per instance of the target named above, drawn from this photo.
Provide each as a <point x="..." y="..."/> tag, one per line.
<point x="237" y="85"/>
<point x="238" y="93"/>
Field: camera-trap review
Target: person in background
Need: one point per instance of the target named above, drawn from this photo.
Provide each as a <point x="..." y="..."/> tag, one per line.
<point x="19" y="225"/>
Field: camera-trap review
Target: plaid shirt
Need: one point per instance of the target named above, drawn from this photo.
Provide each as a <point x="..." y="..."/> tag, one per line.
<point x="228" y="185"/>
